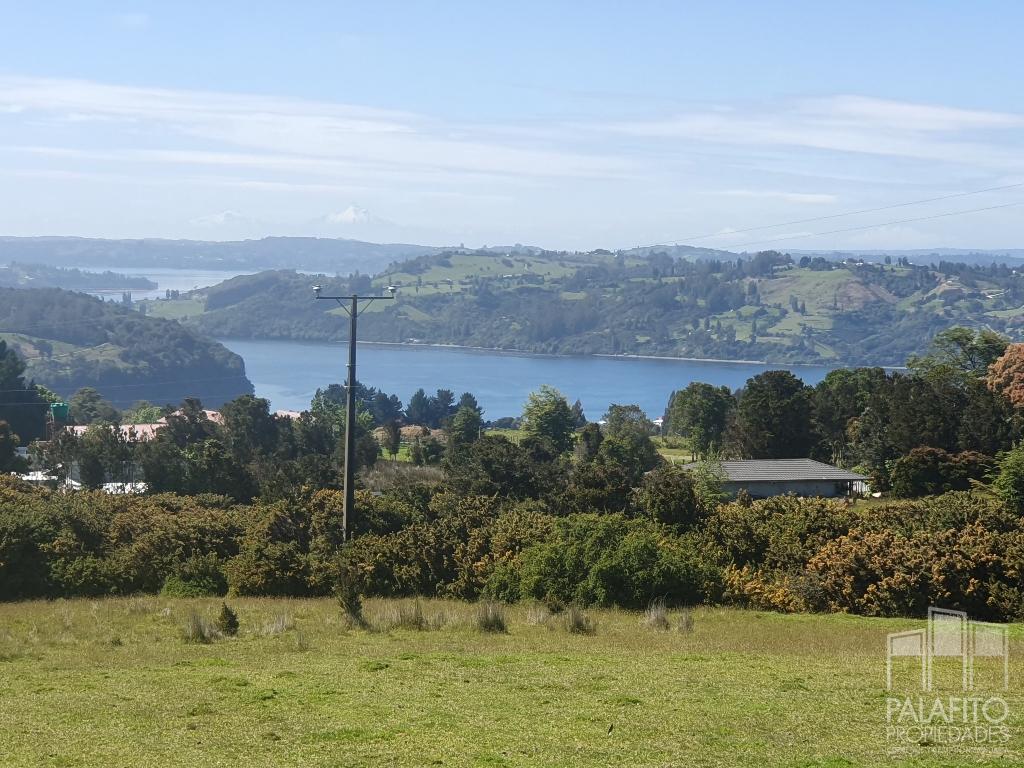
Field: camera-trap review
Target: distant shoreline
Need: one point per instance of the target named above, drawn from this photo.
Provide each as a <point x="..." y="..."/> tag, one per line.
<point x="694" y="359"/>
<point x="568" y="355"/>
<point x="577" y="355"/>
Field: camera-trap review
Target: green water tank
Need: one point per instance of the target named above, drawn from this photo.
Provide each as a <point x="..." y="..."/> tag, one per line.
<point x="59" y="411"/>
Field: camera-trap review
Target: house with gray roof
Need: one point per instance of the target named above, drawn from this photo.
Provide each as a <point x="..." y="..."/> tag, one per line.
<point x="762" y="478"/>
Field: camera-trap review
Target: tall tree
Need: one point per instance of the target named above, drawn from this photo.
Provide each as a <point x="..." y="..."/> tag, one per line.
<point x="839" y="399"/>
<point x="960" y="351"/>
<point x="418" y="410"/>
<point x="9" y="461"/>
<point x="210" y="468"/>
<point x="21" y="405"/>
<point x="701" y="413"/>
<point x="773" y="417"/>
<point x="464" y="427"/>
<point x="250" y="430"/>
<point x="189" y="424"/>
<point x="547" y="415"/>
<point x="578" y="416"/>
<point x="88" y="406"/>
<point x="104" y="455"/>
<point x="442" y="406"/>
<point x="468" y="400"/>
<point x="392" y="438"/>
<point x="622" y="419"/>
<point x="385" y="408"/>
<point x="589" y="442"/>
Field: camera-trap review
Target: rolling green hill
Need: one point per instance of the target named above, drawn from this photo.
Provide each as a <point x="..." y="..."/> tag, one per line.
<point x="765" y="307"/>
<point x="18" y="275"/>
<point x="70" y="340"/>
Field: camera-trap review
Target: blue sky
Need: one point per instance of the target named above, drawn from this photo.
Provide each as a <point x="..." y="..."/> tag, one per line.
<point x="563" y="124"/>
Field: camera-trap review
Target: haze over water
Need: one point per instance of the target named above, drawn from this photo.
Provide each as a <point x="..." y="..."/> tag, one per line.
<point x="288" y="373"/>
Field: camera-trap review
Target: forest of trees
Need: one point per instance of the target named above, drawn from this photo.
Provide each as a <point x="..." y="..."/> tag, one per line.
<point x="18" y="275"/>
<point x="766" y="306"/>
<point x="74" y="340"/>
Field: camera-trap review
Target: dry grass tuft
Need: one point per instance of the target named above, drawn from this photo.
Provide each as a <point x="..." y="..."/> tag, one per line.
<point x="277" y="625"/>
<point x="686" y="621"/>
<point x="577" y="622"/>
<point x="656" y="615"/>
<point x="490" y="617"/>
<point x="403" y="615"/>
<point x="538" y="615"/>
<point x="198" y="629"/>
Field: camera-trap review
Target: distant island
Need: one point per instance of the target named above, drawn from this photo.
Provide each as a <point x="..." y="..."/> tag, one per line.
<point x="21" y="275"/>
<point x="772" y="306"/>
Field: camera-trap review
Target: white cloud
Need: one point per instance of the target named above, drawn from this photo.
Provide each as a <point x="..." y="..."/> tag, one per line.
<point x="850" y="124"/>
<point x="133" y="156"/>
<point x="811" y="198"/>
<point x="257" y="130"/>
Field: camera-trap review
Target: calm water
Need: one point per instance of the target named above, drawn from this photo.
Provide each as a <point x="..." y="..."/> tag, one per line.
<point x="289" y="372"/>
<point x="167" y="279"/>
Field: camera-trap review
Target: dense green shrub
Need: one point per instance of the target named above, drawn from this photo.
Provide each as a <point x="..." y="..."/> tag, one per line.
<point x="273" y="556"/>
<point x="610" y="560"/>
<point x="227" y="621"/>
<point x="1009" y="482"/>
<point x="668" y="495"/>
<point x="884" y="573"/>
<point x="781" y="532"/>
<point x="932" y="471"/>
<point x="960" y="549"/>
<point x="27" y="526"/>
<point x="452" y="554"/>
<point x="197" y="576"/>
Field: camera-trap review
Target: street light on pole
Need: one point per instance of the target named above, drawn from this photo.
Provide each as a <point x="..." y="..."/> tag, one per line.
<point x="351" y="305"/>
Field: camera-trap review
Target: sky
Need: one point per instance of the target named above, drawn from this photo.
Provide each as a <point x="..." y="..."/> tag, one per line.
<point x="561" y="124"/>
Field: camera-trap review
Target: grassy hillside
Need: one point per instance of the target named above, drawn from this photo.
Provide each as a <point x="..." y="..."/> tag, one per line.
<point x="112" y="682"/>
<point x="70" y="340"/>
<point x="767" y="307"/>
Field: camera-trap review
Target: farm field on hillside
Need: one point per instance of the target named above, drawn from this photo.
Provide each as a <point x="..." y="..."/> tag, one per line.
<point x="112" y="682"/>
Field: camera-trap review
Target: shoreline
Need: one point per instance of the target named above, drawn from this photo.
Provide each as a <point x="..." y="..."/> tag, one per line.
<point x="566" y="355"/>
<point x="715" y="360"/>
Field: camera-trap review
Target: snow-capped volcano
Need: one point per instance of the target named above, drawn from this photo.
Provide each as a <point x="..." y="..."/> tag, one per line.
<point x="351" y="215"/>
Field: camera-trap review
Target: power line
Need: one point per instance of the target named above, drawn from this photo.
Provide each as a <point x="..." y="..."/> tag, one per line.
<point x="882" y="224"/>
<point x="692" y="238"/>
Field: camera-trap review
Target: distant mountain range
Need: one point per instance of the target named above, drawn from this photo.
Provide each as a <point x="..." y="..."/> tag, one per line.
<point x="302" y="253"/>
<point x="343" y="256"/>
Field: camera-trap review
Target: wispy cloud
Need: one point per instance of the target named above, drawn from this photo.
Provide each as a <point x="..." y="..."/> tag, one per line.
<point x="285" y="160"/>
<point x="257" y="131"/>
<point x="811" y="198"/>
<point x="850" y="124"/>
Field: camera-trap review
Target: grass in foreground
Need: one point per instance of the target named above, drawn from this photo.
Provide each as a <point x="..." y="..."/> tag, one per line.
<point x="114" y="682"/>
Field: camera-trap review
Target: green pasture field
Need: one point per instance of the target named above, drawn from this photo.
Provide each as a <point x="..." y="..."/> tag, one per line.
<point x="113" y="682"/>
